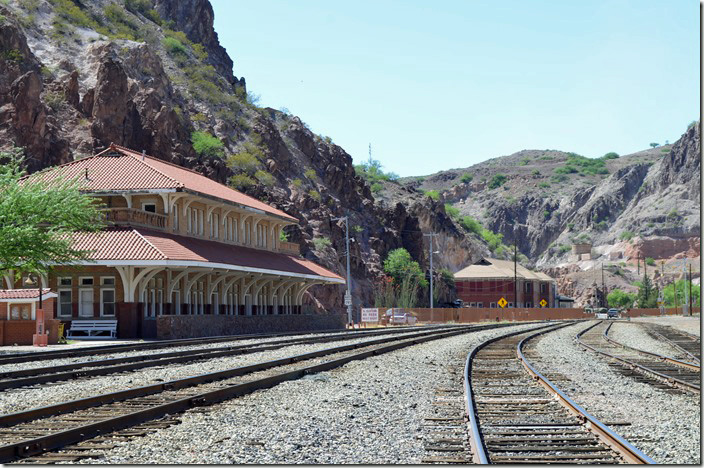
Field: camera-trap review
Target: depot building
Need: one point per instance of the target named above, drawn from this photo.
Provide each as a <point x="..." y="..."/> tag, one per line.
<point x="486" y="282"/>
<point x="177" y="245"/>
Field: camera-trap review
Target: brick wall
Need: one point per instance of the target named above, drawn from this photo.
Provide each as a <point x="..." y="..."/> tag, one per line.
<point x="170" y="327"/>
<point x="471" y="315"/>
<point x="20" y="331"/>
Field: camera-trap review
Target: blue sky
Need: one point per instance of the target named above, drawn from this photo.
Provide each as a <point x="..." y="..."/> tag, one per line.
<point x="445" y="84"/>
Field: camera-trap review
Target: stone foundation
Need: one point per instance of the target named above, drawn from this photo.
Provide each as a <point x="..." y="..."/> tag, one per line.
<point x="170" y="327"/>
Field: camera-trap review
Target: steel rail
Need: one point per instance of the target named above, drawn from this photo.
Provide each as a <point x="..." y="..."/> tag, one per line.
<point x="476" y="440"/>
<point x="39" y="375"/>
<point x="26" y="448"/>
<point x="675" y="344"/>
<point x="672" y="381"/>
<point x="671" y="360"/>
<point x="624" y="448"/>
<point x="15" y="358"/>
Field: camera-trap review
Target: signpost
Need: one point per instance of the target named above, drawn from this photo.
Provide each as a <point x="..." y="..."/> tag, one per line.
<point x="543" y="303"/>
<point x="348" y="298"/>
<point x="502" y="302"/>
<point x="370" y="315"/>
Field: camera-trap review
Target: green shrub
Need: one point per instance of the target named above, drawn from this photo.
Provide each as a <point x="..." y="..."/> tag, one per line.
<point x="692" y="124"/>
<point x="556" y="179"/>
<point x="601" y="226"/>
<point x="493" y="239"/>
<point x="535" y="172"/>
<point x="206" y="144"/>
<point x="547" y="214"/>
<point x="546" y="158"/>
<point x="566" y="170"/>
<point x="144" y="7"/>
<point x="321" y="242"/>
<point x="243" y="162"/>
<point x="497" y="181"/>
<point x="544" y="185"/>
<point x="315" y="195"/>
<point x="376" y="187"/>
<point x="451" y="211"/>
<point x="120" y="25"/>
<point x="357" y="228"/>
<point x="466" y="178"/>
<point x="564" y="248"/>
<point x="241" y="181"/>
<point x="471" y="225"/>
<point x="298" y="183"/>
<point x="55" y="100"/>
<point x="626" y="235"/>
<point x="570" y="226"/>
<point x="371" y="172"/>
<point x="311" y="174"/>
<point x="265" y="178"/>
<point x="650" y="261"/>
<point x="524" y="162"/>
<point x="432" y="194"/>
<point x="283" y="237"/>
<point x="174" y="47"/>
<point x="13" y="55"/>
<point x="611" y="155"/>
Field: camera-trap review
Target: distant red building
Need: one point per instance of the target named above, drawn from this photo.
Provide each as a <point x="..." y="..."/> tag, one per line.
<point x="484" y="283"/>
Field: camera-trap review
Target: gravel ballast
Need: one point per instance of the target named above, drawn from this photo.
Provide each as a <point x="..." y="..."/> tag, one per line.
<point x="687" y="324"/>
<point x="21" y="399"/>
<point x="665" y="425"/>
<point x="368" y="412"/>
<point x="634" y="335"/>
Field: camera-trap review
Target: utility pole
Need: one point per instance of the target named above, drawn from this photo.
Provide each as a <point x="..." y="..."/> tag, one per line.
<point x="685" y="306"/>
<point x="603" y="287"/>
<point x="638" y="264"/>
<point x="691" y="298"/>
<point x="430" y="252"/>
<point x="515" y="276"/>
<point x="348" y="294"/>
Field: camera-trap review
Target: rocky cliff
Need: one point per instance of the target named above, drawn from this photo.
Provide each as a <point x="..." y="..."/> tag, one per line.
<point x="147" y="74"/>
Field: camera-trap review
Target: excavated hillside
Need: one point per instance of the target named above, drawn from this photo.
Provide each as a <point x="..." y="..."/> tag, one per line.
<point x="151" y="74"/>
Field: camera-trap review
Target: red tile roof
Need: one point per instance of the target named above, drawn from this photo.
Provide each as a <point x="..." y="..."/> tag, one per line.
<point x="145" y="244"/>
<point x="22" y="293"/>
<point x="118" y="168"/>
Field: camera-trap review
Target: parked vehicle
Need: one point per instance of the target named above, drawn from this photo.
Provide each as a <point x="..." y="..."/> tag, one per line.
<point x="613" y="313"/>
<point x="399" y="316"/>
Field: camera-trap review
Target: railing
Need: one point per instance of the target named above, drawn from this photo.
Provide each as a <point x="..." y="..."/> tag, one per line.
<point x="132" y="216"/>
<point x="289" y="248"/>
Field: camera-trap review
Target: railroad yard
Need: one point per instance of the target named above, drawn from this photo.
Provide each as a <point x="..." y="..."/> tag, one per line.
<point x="475" y="393"/>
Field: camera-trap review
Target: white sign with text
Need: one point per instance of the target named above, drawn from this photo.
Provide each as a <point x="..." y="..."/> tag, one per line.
<point x="370" y="315"/>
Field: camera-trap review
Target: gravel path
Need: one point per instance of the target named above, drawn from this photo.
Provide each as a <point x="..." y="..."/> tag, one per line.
<point x="635" y="336"/>
<point x="368" y="412"/>
<point x="30" y="397"/>
<point x="664" y="425"/>
<point x="687" y="324"/>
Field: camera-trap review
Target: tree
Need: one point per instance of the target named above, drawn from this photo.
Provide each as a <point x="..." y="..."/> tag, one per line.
<point x="399" y="264"/>
<point x="620" y="299"/>
<point x="682" y="288"/>
<point x="647" y="295"/>
<point x="37" y="218"/>
<point x="654" y="145"/>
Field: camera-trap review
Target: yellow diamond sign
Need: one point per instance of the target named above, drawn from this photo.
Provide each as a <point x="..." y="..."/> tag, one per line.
<point x="502" y="302"/>
<point x="543" y="303"/>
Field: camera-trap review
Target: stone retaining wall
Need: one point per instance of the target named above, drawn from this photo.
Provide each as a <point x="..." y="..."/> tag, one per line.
<point x="169" y="327"/>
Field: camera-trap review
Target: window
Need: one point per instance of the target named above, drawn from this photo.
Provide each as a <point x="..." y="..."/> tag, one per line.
<point x="529" y="304"/>
<point x="472" y="304"/>
<point x="107" y="281"/>
<point x="234" y="230"/>
<point x="510" y="304"/>
<point x="65" y="299"/>
<point x="542" y="288"/>
<point x="175" y="208"/>
<point x="493" y="305"/>
<point x="176" y="303"/>
<point x="200" y="222"/>
<point x="65" y="281"/>
<point x="480" y="304"/>
<point x="150" y="207"/>
<point x="189" y="218"/>
<point x="86" y="281"/>
<point x="215" y="226"/>
<point x="528" y="287"/>
<point x="107" y="302"/>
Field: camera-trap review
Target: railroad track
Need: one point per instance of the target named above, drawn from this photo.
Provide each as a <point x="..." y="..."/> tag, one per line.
<point x="127" y="413"/>
<point x="689" y="345"/>
<point x="655" y="369"/>
<point x="518" y="415"/>
<point x="16" y="358"/>
<point x="89" y="369"/>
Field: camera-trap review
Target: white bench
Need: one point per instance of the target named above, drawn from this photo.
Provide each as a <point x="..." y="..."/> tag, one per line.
<point x="92" y="328"/>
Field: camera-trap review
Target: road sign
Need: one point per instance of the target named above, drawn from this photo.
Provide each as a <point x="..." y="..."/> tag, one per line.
<point x="348" y="299"/>
<point x="370" y="315"/>
<point x="543" y="303"/>
<point x="502" y="302"/>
